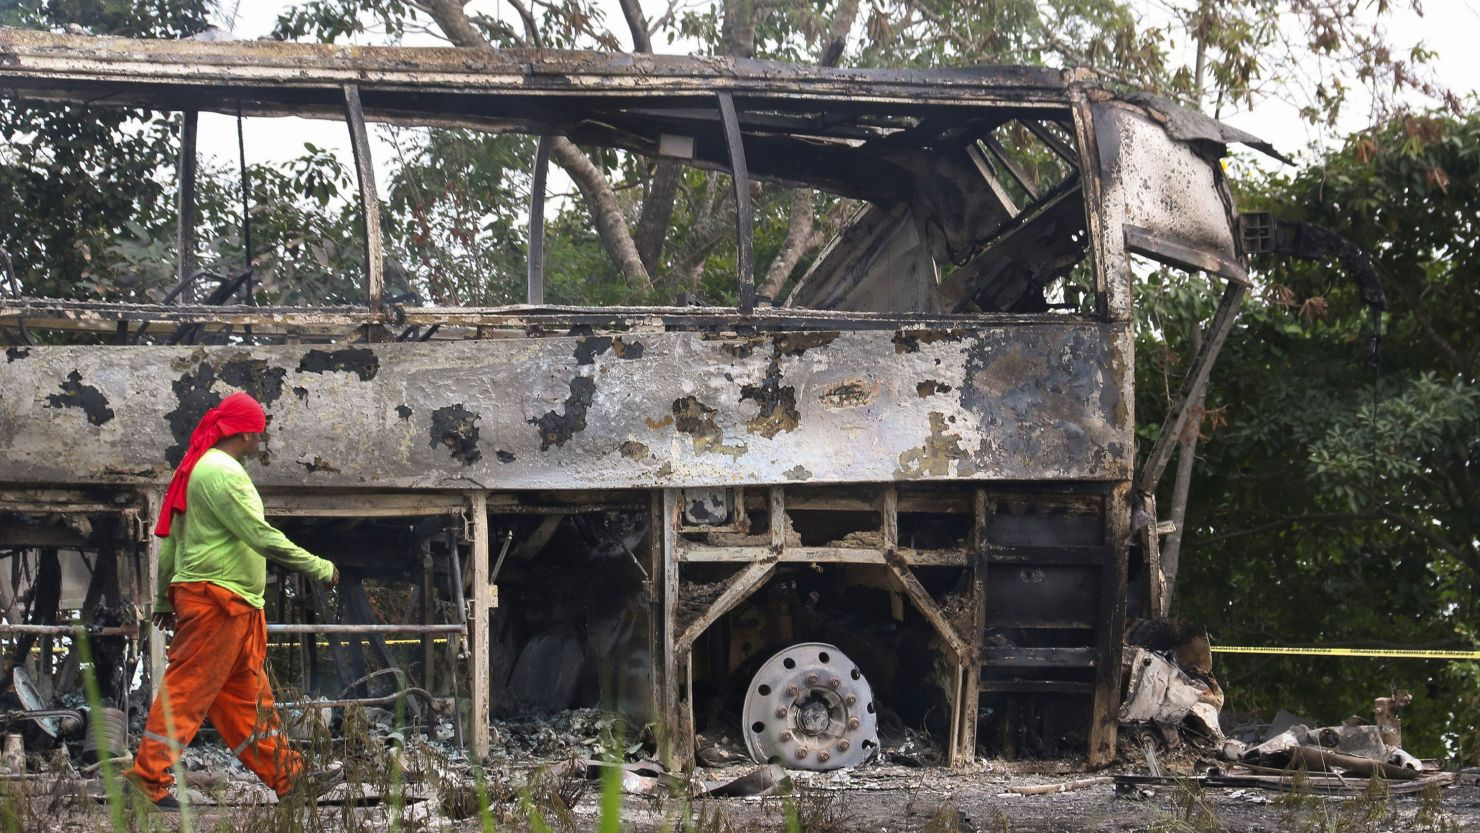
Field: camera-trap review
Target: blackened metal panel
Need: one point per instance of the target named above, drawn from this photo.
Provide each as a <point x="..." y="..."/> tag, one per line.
<point x="673" y="409"/>
<point x="1163" y="197"/>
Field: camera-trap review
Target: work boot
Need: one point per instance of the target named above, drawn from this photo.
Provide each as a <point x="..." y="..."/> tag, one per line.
<point x="133" y="796"/>
<point x="312" y="786"/>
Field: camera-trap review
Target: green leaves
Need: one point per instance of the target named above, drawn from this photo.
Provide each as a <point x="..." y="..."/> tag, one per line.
<point x="1335" y="507"/>
<point x="1405" y="435"/>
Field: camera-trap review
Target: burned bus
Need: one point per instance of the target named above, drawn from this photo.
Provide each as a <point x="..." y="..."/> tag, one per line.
<point x="907" y="492"/>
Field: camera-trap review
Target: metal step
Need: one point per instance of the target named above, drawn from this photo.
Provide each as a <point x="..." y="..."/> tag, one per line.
<point x="1039" y="657"/>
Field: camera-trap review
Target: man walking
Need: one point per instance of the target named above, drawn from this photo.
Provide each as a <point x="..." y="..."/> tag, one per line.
<point x="212" y="574"/>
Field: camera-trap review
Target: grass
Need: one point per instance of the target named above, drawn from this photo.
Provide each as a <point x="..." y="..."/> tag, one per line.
<point x="544" y="799"/>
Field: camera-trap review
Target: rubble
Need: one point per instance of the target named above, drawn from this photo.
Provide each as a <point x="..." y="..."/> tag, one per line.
<point x="576" y="733"/>
<point x="1170" y="689"/>
<point x="1163" y="694"/>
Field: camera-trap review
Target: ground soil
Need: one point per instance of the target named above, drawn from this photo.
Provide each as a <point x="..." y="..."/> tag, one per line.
<point x="885" y="799"/>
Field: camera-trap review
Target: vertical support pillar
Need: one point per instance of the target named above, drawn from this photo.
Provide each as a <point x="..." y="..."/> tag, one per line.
<point x="185" y="205"/>
<point x="536" y="283"/>
<point x="956" y="681"/>
<point x="1112" y="273"/>
<point x="359" y="139"/>
<point x="154" y="502"/>
<point x="744" y="211"/>
<point x="659" y="638"/>
<point x="478" y="630"/>
<point x="971" y="690"/>
<point x="1156" y="580"/>
<point x="677" y="714"/>
<point x="778" y="520"/>
<point x="428" y="664"/>
<point x="1111" y="622"/>
<point x="308" y="644"/>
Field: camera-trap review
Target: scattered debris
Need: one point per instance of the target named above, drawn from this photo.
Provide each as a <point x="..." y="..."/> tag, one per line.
<point x="1061" y="787"/>
<point x="1355" y="749"/>
<point x="577" y="733"/>
<point x="1170" y="690"/>
<point x="763" y="780"/>
<point x="1163" y="694"/>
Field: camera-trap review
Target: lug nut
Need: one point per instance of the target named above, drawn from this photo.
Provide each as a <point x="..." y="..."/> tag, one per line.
<point x="801" y="752"/>
<point x="843" y="745"/>
<point x="812" y="679"/>
<point x="781" y="711"/>
<point x="786" y="737"/>
<point x="792" y="690"/>
<point x="850" y="699"/>
<point x="834" y="682"/>
<point x="823" y="756"/>
<point x="853" y="723"/>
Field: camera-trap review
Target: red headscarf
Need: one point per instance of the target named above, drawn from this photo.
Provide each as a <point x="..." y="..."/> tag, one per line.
<point x="238" y="413"/>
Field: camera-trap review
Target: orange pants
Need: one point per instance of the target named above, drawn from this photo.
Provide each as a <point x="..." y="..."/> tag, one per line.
<point x="215" y="670"/>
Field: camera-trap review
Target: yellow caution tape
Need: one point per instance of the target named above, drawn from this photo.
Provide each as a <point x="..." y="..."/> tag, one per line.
<point x="1384" y="653"/>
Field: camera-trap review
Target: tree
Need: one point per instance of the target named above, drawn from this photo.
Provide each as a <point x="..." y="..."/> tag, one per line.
<point x="1337" y="506"/>
<point x="72" y="181"/>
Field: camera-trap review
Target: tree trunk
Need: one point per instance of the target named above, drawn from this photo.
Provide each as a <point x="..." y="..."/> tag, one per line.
<point x="637" y="23"/>
<point x="662" y="187"/>
<point x="739" y="27"/>
<point x="454" y="23"/>
<point x="799" y="240"/>
<point x="657" y="213"/>
<point x="605" y="208"/>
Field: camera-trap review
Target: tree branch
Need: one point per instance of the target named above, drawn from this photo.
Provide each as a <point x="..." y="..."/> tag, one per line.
<point x="598" y="195"/>
<point x="799" y="240"/>
<point x="637" y="23"/>
<point x="455" y="24"/>
<point x="1287" y="521"/>
<point x="1465" y="556"/>
<point x="1415" y="305"/>
<point x="605" y="209"/>
<point x="530" y="28"/>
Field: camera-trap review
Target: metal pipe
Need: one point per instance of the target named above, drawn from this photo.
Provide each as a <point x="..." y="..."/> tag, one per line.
<point x="241" y="151"/>
<point x="744" y="211"/>
<point x="325" y="628"/>
<point x="70" y="630"/>
<point x="359" y="140"/>
<point x="387" y="700"/>
<point x="457" y="585"/>
<point x="536" y="292"/>
<point x="66" y="716"/>
<point x="502" y="554"/>
<point x="185" y="240"/>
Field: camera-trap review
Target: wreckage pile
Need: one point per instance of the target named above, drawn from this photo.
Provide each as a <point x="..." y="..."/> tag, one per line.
<point x="1172" y="702"/>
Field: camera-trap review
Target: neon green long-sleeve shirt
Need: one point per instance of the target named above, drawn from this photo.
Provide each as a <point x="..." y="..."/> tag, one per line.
<point x="223" y="537"/>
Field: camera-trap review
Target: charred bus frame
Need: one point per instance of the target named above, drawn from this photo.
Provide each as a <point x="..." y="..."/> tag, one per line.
<point x="959" y="358"/>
